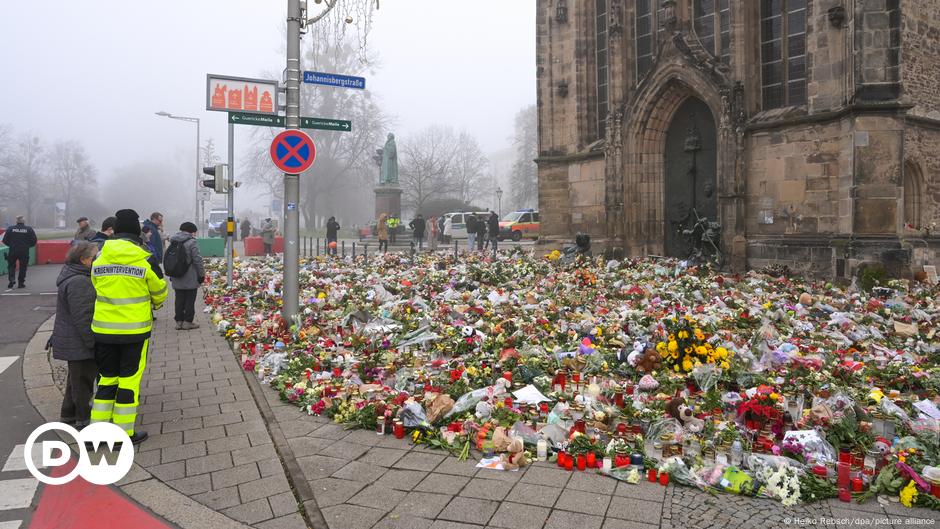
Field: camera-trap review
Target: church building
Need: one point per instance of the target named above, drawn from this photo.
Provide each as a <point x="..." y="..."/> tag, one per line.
<point x="805" y="132"/>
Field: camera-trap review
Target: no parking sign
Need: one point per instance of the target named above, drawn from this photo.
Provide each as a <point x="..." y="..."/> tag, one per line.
<point x="293" y="151"/>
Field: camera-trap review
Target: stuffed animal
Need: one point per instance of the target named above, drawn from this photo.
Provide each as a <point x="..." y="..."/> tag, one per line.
<point x="649" y="361"/>
<point x="483" y="410"/>
<point x="514" y="458"/>
<point x="678" y="409"/>
<point x="501" y="440"/>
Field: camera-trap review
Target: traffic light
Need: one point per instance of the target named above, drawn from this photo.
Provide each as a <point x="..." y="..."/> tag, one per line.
<point x="217" y="183"/>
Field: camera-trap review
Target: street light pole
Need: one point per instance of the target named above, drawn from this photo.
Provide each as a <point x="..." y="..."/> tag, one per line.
<point x="499" y="201"/>
<point x="165" y="114"/>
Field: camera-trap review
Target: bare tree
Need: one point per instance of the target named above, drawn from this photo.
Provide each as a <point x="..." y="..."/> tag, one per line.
<point x="524" y="174"/>
<point x="468" y="170"/>
<point x="343" y="174"/>
<point x="209" y="154"/>
<point x="73" y="174"/>
<point x="21" y="173"/>
<point x="427" y="159"/>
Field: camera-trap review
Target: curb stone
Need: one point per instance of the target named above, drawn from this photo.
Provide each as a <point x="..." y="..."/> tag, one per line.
<point x="139" y="485"/>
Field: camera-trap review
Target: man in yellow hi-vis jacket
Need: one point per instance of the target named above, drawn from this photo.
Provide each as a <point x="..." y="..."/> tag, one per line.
<point x="128" y="290"/>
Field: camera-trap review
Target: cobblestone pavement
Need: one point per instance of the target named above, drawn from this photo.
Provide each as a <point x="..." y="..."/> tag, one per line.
<point x="207" y="438"/>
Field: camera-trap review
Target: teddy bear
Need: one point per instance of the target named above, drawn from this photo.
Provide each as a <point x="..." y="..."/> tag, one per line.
<point x="514" y="457"/>
<point x="678" y="409"/>
<point x="648" y="361"/>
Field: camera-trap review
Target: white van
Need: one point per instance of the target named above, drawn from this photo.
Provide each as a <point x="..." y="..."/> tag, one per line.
<point x="455" y="224"/>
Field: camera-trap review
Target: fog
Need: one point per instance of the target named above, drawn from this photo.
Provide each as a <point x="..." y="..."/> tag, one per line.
<point x="97" y="71"/>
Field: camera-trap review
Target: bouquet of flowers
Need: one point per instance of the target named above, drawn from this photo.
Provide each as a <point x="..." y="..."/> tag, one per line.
<point x="686" y="346"/>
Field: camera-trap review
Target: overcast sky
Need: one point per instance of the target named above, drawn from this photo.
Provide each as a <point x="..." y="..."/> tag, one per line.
<point x="97" y="70"/>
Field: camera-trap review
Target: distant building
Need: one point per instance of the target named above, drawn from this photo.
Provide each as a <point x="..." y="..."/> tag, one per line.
<point x="809" y="129"/>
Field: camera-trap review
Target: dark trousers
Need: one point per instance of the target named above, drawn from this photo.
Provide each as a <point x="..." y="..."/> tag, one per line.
<point x="383" y="245"/>
<point x="23" y="260"/>
<point x="494" y="241"/>
<point x="419" y="241"/>
<point x="185" y="305"/>
<point x="120" y="369"/>
<point x="79" y="388"/>
<point x="481" y="240"/>
<point x="267" y="248"/>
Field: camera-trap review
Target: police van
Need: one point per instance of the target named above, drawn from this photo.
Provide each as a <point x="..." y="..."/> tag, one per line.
<point x="455" y="224"/>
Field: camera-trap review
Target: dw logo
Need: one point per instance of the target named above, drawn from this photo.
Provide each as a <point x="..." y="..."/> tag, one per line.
<point x="106" y="453"/>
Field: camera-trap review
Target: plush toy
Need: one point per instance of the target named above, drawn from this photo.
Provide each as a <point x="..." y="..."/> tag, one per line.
<point x="678" y="409"/>
<point x="648" y="383"/>
<point x="483" y="410"/>
<point x="649" y="361"/>
<point x="515" y="456"/>
<point x="501" y="441"/>
<point x="883" y="446"/>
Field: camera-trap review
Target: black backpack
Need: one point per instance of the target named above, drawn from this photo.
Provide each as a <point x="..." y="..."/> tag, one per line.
<point x="175" y="260"/>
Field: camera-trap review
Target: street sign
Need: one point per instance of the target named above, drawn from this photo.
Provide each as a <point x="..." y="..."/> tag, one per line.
<point x="333" y="79"/>
<point x="224" y="93"/>
<point x="326" y="124"/>
<point x="260" y="120"/>
<point x="204" y="195"/>
<point x="293" y="151"/>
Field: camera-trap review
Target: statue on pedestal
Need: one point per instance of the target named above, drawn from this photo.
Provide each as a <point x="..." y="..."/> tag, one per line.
<point x="389" y="162"/>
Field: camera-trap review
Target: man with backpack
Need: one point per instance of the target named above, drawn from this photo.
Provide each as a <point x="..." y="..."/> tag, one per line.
<point x="182" y="263"/>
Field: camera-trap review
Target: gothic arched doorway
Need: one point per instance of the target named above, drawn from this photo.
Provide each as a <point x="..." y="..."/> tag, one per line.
<point x="691" y="165"/>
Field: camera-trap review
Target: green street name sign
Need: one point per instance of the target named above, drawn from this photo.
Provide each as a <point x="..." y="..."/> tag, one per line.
<point x="261" y="120"/>
<point x="326" y="124"/>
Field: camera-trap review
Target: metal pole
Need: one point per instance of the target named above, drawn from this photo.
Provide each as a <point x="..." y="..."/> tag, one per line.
<point x="344" y="249"/>
<point x="292" y="182"/>
<point x="198" y="175"/>
<point x="354" y="251"/>
<point x="318" y="247"/>
<point x="230" y="225"/>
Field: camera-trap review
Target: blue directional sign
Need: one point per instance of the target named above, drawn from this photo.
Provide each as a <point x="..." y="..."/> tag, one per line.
<point x="333" y="79"/>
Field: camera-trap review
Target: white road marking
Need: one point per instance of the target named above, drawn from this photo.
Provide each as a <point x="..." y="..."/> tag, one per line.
<point x="17" y="294"/>
<point x="16" y="461"/>
<point x="15" y="524"/>
<point x="48" y="293"/>
<point x="7" y="361"/>
<point x="17" y="493"/>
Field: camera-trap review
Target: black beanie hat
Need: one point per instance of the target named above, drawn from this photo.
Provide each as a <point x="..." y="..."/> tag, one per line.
<point x="188" y="227"/>
<point x="128" y="221"/>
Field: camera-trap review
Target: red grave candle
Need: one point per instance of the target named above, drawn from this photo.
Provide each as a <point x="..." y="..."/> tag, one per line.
<point x="582" y="463"/>
<point x="591" y="460"/>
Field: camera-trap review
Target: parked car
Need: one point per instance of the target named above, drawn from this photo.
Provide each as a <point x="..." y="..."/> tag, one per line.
<point x="217" y="218"/>
<point x="519" y="225"/>
<point x="455" y="224"/>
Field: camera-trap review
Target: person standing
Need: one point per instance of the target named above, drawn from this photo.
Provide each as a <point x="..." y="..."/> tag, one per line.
<point x="267" y="235"/>
<point x="418" y="225"/>
<point x="381" y="232"/>
<point x="481" y="233"/>
<point x="494" y="229"/>
<point x="332" y="234"/>
<point x="471" y="224"/>
<point x="146" y="235"/>
<point x="72" y="339"/>
<point x="106" y="232"/>
<point x="20" y="238"/>
<point x="393" y="223"/>
<point x="246" y="229"/>
<point x="155" y="223"/>
<point x="127" y="292"/>
<point x="84" y="231"/>
<point x="186" y="286"/>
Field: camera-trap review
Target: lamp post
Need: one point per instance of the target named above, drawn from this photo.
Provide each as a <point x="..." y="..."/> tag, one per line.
<point x="499" y="201"/>
<point x="165" y="114"/>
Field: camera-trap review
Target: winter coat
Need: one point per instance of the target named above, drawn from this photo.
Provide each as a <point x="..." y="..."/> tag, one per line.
<point x="471" y="224"/>
<point x="72" y="338"/>
<point x="381" y="228"/>
<point x="494" y="225"/>
<point x="20" y="238"/>
<point x="332" y="230"/>
<point x="196" y="273"/>
<point x="156" y="240"/>
<point x="246" y="228"/>
<point x="86" y="234"/>
<point x="100" y="238"/>
<point x="418" y="225"/>
<point x="481" y="227"/>
<point x="267" y="233"/>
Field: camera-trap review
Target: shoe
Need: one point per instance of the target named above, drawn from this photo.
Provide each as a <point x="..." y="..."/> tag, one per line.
<point x="22" y="285"/>
<point x="179" y="326"/>
<point x="189" y="325"/>
<point x="138" y="437"/>
<point x="10" y="285"/>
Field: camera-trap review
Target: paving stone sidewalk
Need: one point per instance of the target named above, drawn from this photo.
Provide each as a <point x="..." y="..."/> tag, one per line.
<point x="207" y="438"/>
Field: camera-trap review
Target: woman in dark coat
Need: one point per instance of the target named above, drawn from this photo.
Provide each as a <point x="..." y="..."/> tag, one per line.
<point x="72" y="339"/>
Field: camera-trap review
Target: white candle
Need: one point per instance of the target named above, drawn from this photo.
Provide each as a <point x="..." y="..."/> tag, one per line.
<point x="608" y="464"/>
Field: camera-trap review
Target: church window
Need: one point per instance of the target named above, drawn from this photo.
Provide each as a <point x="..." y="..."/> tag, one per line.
<point x="649" y="29"/>
<point x="783" y="52"/>
<point x="603" y="69"/>
<point x="713" y="27"/>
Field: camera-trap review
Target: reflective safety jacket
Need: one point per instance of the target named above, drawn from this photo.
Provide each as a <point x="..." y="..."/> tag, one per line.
<point x="128" y="290"/>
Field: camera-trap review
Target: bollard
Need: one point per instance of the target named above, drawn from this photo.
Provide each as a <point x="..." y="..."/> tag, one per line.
<point x="354" y="251"/>
<point x="344" y="249"/>
<point x="304" y="246"/>
<point x="365" y="253"/>
<point x="455" y="249"/>
<point x="318" y="247"/>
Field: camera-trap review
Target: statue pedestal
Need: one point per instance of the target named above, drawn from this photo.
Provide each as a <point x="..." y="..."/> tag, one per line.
<point x="388" y="200"/>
